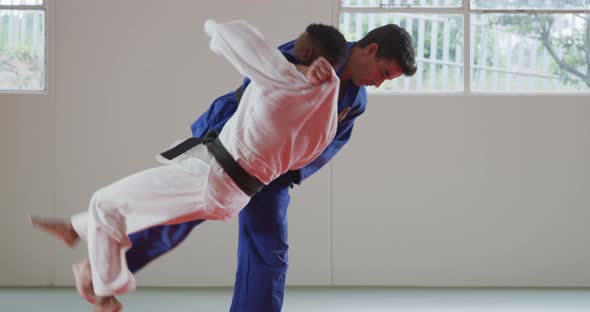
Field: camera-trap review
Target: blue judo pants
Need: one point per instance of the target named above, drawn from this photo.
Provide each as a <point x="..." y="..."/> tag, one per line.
<point x="262" y="248"/>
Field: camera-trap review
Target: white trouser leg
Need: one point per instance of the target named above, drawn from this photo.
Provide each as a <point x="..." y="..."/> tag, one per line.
<point x="147" y="198"/>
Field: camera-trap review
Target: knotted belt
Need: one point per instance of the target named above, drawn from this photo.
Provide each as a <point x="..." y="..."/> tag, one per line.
<point x="247" y="183"/>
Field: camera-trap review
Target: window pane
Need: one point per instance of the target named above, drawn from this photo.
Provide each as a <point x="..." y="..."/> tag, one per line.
<point x="22" y="50"/>
<point x="522" y="52"/>
<point x="437" y="38"/>
<point x="531" y="4"/>
<point x="400" y="3"/>
<point x="21" y="2"/>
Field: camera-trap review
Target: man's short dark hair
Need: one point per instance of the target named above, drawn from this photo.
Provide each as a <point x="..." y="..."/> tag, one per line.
<point x="394" y="44"/>
<point x="328" y="43"/>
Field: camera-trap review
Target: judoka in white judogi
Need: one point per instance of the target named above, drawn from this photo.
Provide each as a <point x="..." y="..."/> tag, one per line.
<point x="282" y="123"/>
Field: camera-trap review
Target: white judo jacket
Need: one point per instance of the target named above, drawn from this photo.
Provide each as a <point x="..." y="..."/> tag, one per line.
<point x="283" y="122"/>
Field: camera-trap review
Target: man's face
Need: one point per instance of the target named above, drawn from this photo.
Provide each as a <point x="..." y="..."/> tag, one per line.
<point x="373" y="71"/>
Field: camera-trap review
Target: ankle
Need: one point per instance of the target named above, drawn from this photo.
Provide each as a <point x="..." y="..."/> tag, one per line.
<point x="73" y="232"/>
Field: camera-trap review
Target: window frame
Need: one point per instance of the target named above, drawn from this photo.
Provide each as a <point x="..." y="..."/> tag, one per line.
<point x="42" y="7"/>
<point x="465" y="10"/>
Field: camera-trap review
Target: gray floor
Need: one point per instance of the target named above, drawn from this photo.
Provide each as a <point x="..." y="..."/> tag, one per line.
<point x="311" y="299"/>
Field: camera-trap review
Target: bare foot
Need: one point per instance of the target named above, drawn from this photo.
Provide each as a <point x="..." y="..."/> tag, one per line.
<point x="60" y="229"/>
<point x="107" y="304"/>
<point x="83" y="279"/>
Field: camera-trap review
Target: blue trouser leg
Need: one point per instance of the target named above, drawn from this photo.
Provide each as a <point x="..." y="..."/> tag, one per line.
<point x="262" y="251"/>
<point x="153" y="242"/>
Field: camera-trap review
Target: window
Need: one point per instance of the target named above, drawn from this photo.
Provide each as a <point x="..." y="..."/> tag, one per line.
<point x="512" y="45"/>
<point x="22" y="45"/>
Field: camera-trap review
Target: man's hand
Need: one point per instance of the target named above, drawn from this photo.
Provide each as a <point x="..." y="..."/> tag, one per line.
<point x="319" y="71"/>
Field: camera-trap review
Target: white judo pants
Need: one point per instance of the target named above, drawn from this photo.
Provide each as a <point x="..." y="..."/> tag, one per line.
<point x="188" y="188"/>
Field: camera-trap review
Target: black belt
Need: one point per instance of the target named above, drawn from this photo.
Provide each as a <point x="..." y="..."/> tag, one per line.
<point x="247" y="183"/>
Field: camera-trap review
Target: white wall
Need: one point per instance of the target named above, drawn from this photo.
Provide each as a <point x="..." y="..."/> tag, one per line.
<point x="465" y="190"/>
<point x="478" y="190"/>
<point x="27" y="184"/>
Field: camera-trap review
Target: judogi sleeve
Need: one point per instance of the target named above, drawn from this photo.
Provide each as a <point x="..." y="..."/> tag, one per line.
<point x="247" y="50"/>
<point x="343" y="134"/>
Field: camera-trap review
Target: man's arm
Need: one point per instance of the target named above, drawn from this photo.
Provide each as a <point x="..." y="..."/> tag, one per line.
<point x="343" y="134"/>
<point x="247" y="50"/>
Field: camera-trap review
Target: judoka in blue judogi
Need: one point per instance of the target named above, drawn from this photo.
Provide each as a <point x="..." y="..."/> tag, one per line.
<point x="263" y="231"/>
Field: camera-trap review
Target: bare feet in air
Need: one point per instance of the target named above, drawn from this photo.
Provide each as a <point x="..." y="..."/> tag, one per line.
<point x="107" y="304"/>
<point x="83" y="279"/>
<point x="60" y="229"/>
